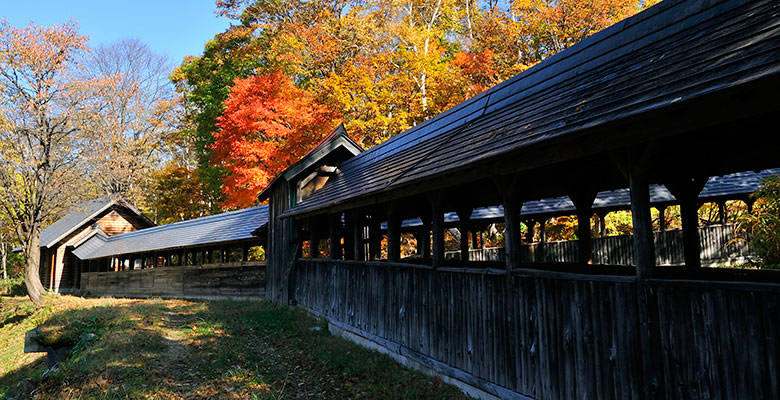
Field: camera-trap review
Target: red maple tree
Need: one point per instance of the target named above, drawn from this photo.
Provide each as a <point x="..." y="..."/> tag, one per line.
<point x="268" y="124"/>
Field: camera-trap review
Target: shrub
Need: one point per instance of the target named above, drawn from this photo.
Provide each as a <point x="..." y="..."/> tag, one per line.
<point x="763" y="225"/>
<point x="13" y="287"/>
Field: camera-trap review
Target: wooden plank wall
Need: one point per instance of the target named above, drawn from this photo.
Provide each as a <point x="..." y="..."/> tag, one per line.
<point x="115" y="223"/>
<point x="557" y="336"/>
<point x="280" y="233"/>
<point x="177" y="281"/>
<point x="718" y="342"/>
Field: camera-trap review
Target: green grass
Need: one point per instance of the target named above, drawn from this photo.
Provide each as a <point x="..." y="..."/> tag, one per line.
<point x="186" y="349"/>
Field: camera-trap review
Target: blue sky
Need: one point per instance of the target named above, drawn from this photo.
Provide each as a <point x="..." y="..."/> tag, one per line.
<point x="177" y="28"/>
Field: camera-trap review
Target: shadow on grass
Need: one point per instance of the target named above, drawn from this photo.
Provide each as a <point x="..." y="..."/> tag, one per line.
<point x="12" y="319"/>
<point x="298" y="357"/>
<point x="124" y="361"/>
<point x="224" y="349"/>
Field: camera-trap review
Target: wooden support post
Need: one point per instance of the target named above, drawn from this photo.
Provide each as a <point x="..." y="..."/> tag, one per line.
<point x="437" y="226"/>
<point x="424" y="240"/>
<point x="512" y="239"/>
<point x="350" y="239"/>
<point x="687" y="190"/>
<point x="80" y="271"/>
<point x="358" y="225"/>
<point x="418" y="236"/>
<point x="583" y="200"/>
<point x="464" y="216"/>
<point x="530" y="227"/>
<point x="749" y="203"/>
<point x="602" y="224"/>
<point x="508" y="187"/>
<point x="393" y="233"/>
<point x="474" y="236"/>
<point x="334" y="236"/>
<point x="722" y="212"/>
<point x="314" y="240"/>
<point x="644" y="248"/>
<point x="661" y="218"/>
<point x="374" y="238"/>
<point x="245" y="253"/>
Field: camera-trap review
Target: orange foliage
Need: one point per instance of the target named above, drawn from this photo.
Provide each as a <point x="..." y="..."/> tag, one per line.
<point x="268" y="124"/>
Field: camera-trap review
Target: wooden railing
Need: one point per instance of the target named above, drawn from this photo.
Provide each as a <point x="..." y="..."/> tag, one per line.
<point x="550" y="335"/>
<point x="719" y="246"/>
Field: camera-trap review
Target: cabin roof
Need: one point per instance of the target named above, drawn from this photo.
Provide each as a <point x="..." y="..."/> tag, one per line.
<point x="215" y="229"/>
<point x="81" y="214"/>
<point x="336" y="139"/>
<point x="672" y="53"/>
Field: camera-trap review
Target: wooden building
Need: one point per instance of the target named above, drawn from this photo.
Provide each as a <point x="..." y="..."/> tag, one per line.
<point x="214" y="256"/>
<point x="647" y="101"/>
<point x="110" y="215"/>
<point x="299" y="182"/>
<point x="105" y="247"/>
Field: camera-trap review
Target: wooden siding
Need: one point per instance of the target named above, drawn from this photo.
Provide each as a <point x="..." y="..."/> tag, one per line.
<point x="280" y="244"/>
<point x="114" y="223"/>
<point x="557" y="335"/>
<point x="186" y="281"/>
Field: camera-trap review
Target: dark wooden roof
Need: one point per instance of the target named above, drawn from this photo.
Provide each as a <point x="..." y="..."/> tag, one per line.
<point x="670" y="54"/>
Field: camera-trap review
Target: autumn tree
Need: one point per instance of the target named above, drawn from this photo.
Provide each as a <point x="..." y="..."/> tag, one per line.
<point x="134" y="108"/>
<point x="204" y="83"/>
<point x="267" y="125"/>
<point x="763" y="224"/>
<point x="5" y="244"/>
<point x="175" y="194"/>
<point x="41" y="110"/>
<point x="384" y="65"/>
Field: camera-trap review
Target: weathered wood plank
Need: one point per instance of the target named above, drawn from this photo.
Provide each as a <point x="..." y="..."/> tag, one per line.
<point x="178" y="282"/>
<point x="548" y="336"/>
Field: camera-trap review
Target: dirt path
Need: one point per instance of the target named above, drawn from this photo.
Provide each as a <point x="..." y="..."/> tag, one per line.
<point x="178" y="374"/>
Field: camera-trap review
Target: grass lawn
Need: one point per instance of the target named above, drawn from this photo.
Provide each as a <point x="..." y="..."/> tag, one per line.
<point x="176" y="349"/>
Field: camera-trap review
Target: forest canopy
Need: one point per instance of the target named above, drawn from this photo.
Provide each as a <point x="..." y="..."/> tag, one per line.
<point x="380" y="67"/>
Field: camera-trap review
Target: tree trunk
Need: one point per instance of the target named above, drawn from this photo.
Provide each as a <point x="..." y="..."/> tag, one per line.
<point x="4" y="259"/>
<point x="32" y="278"/>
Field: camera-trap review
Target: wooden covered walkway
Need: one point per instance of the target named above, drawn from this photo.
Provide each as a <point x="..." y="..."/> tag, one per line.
<point x="647" y="101"/>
